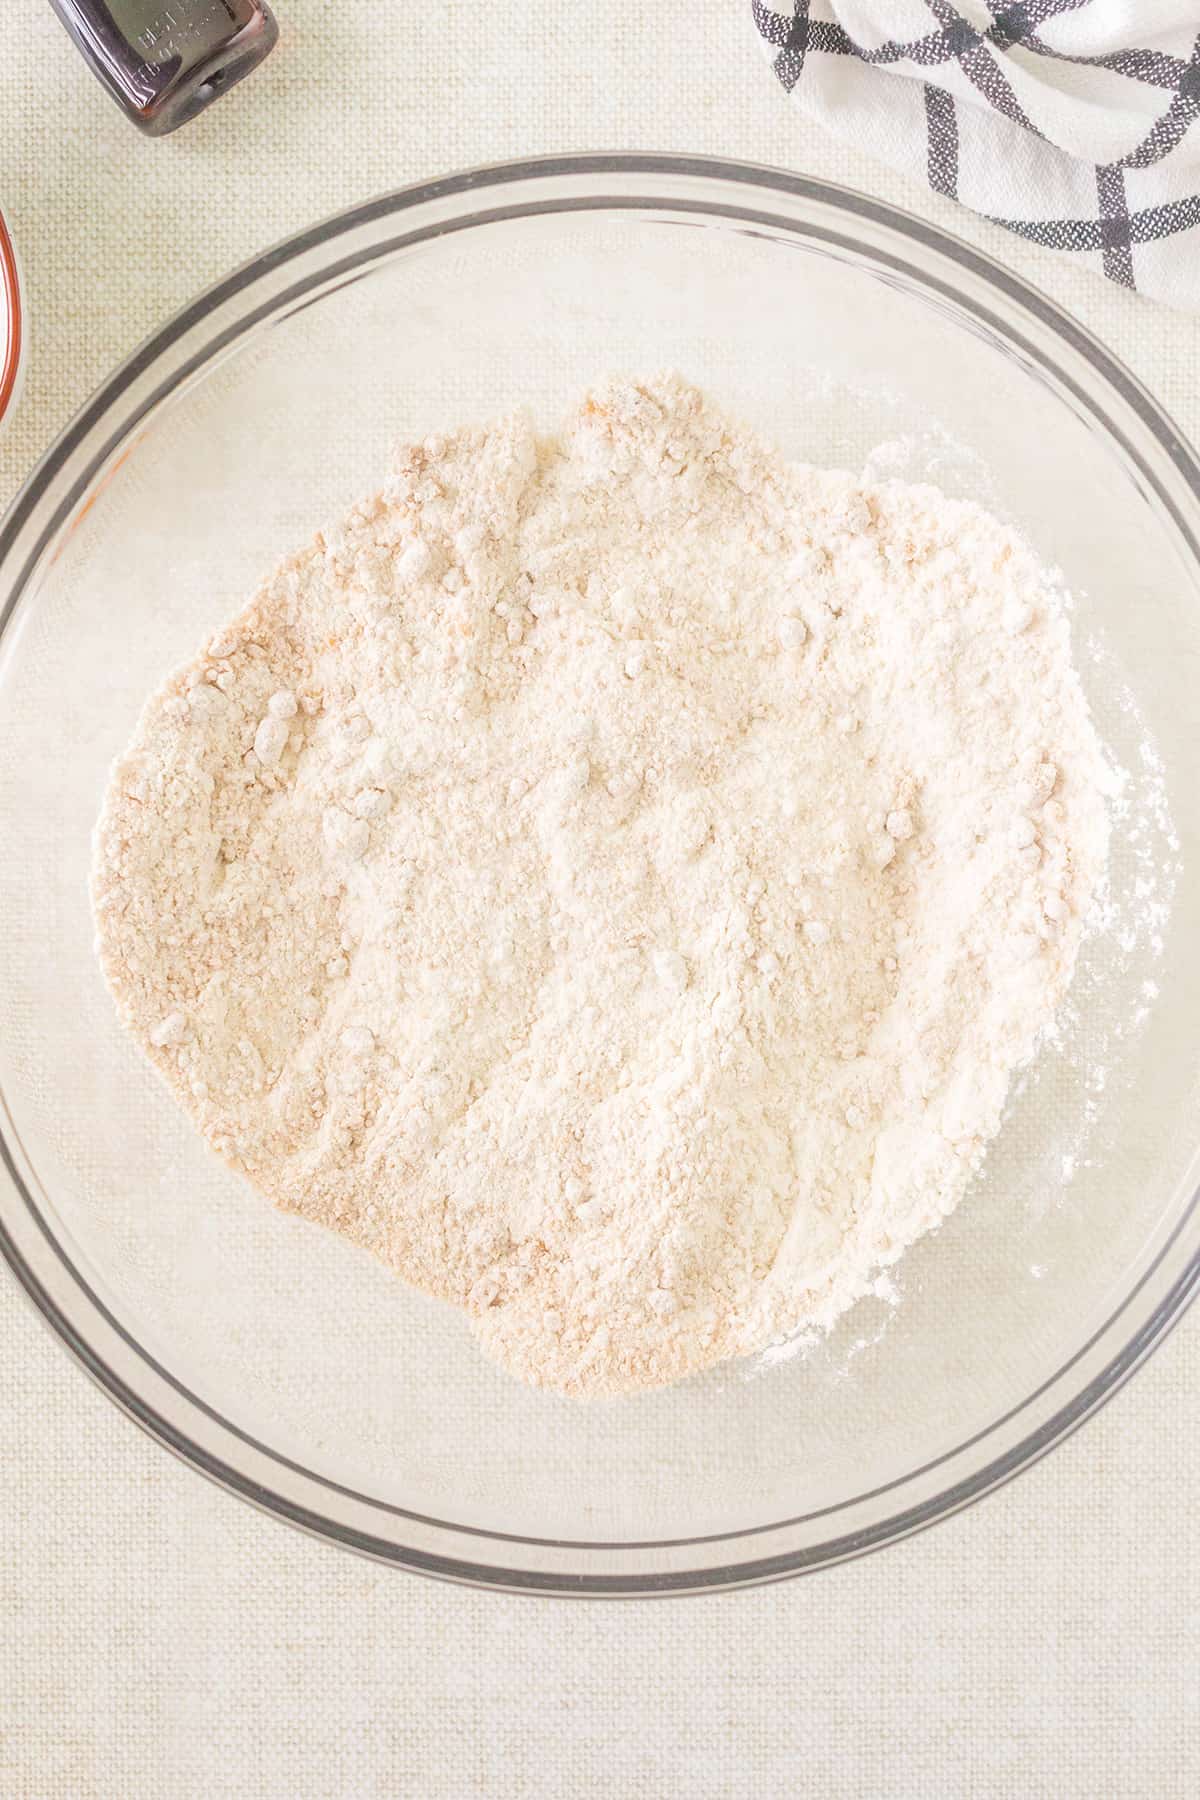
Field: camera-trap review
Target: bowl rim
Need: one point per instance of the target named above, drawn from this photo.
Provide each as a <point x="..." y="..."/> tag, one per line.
<point x="751" y="178"/>
<point x="13" y="322"/>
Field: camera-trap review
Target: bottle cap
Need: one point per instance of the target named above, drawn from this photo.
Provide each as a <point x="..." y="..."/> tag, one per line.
<point x="163" y="61"/>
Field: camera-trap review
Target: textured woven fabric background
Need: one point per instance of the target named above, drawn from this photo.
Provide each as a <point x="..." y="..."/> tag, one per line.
<point x="158" y="1638"/>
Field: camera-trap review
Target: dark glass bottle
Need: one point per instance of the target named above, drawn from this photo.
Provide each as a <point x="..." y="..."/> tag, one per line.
<point x="163" y="61"/>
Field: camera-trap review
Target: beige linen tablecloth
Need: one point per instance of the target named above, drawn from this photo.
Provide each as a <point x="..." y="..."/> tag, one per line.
<point x="158" y="1638"/>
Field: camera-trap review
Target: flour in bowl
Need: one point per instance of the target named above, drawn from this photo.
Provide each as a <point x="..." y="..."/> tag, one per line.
<point x="614" y="878"/>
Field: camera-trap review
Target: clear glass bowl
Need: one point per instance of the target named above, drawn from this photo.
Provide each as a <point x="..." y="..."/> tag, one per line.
<point x="295" y="1369"/>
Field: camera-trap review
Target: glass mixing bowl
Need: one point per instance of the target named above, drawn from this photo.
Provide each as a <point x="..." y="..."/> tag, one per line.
<point x="295" y="1369"/>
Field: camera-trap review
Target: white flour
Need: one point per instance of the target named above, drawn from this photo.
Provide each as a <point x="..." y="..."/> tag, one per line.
<point x="614" y="878"/>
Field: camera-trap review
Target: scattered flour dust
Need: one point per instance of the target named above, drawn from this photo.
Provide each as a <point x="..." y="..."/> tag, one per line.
<point x="614" y="877"/>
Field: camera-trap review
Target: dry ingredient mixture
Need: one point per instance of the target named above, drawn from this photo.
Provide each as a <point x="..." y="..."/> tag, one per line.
<point x="614" y="877"/>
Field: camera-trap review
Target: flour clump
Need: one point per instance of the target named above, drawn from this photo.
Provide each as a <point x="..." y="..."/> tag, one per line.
<point x="614" y="877"/>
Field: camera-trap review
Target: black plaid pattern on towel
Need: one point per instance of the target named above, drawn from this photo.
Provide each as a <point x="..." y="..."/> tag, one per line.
<point x="1041" y="115"/>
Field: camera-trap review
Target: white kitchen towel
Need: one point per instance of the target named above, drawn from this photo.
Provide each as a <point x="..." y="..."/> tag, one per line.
<point x="1071" y="122"/>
